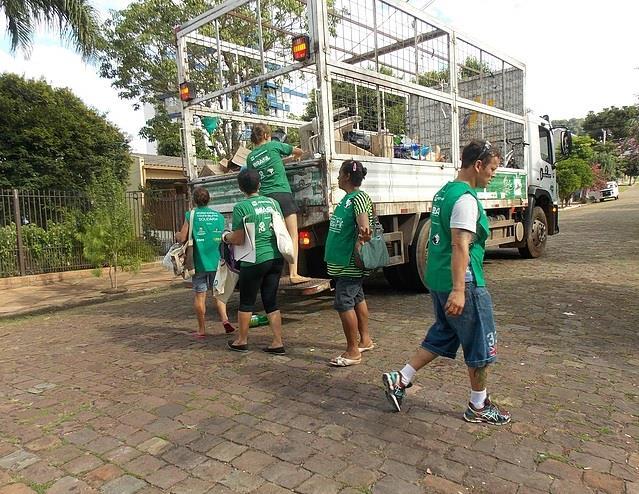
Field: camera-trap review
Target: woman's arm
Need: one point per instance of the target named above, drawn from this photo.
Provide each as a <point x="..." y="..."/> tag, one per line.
<point x="235" y="237"/>
<point x="183" y="233"/>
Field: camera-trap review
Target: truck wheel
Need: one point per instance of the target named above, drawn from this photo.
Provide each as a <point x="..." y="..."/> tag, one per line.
<point x="537" y="236"/>
<point x="413" y="272"/>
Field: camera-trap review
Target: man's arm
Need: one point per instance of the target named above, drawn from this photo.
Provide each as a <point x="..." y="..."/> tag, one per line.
<point x="183" y="233"/>
<point x="460" y="241"/>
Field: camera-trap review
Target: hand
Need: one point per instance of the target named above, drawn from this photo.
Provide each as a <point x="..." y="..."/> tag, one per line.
<point x="364" y="234"/>
<point x="455" y="303"/>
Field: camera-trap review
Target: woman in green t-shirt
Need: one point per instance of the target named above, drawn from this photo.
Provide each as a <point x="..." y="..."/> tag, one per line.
<point x="266" y="158"/>
<point x="263" y="275"/>
<point x="349" y="228"/>
<point x="208" y="226"/>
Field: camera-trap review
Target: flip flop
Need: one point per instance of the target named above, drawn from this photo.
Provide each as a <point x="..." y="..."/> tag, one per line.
<point x="199" y="336"/>
<point x="365" y="349"/>
<point x="237" y="348"/>
<point x="344" y="362"/>
<point x="275" y="351"/>
<point x="228" y="327"/>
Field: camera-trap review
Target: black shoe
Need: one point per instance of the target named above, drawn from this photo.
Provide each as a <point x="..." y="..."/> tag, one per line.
<point x="275" y="351"/>
<point x="237" y="348"/>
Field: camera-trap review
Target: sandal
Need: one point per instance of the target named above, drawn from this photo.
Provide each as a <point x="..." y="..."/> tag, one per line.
<point x="237" y="348"/>
<point x="228" y="327"/>
<point x="365" y="349"/>
<point x="199" y="336"/>
<point x="275" y="351"/>
<point x="344" y="362"/>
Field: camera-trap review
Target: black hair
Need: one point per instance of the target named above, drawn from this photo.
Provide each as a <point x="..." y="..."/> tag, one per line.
<point x="355" y="170"/>
<point x="259" y="132"/>
<point x="201" y="196"/>
<point x="248" y="180"/>
<point x="478" y="149"/>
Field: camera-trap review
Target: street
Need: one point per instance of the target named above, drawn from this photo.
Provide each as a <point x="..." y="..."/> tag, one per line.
<point x="120" y="398"/>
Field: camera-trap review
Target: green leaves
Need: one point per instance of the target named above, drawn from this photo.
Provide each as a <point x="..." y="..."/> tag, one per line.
<point x="50" y="139"/>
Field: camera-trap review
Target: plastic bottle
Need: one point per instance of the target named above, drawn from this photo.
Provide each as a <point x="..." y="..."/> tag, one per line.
<point x="258" y="320"/>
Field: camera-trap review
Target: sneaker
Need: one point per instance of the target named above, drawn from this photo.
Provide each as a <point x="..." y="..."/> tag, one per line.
<point x="395" y="390"/>
<point x="489" y="414"/>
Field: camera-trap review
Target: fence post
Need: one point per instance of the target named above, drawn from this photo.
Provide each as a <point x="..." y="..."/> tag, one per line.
<point x="18" y="221"/>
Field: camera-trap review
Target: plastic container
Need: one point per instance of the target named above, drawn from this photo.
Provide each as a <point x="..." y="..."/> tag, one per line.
<point x="258" y="320"/>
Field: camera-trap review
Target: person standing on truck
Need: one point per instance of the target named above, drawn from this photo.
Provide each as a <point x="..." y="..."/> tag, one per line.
<point x="349" y="228"/>
<point x="455" y="277"/>
<point x="208" y="226"/>
<point x="266" y="158"/>
<point x="263" y="275"/>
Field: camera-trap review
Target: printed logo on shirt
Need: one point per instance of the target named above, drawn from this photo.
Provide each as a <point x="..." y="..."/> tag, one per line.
<point x="348" y="203"/>
<point x="435" y="239"/>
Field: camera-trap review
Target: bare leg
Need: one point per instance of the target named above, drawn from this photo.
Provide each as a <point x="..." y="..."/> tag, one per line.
<point x="291" y="226"/>
<point x="361" y="311"/>
<point x="221" y="310"/>
<point x="244" y="319"/>
<point x="421" y="357"/>
<point x="349" y="325"/>
<point x="478" y="377"/>
<point x="275" y="322"/>
<point x="199" y="305"/>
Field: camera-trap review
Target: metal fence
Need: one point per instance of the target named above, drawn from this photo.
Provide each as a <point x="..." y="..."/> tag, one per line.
<point x="38" y="229"/>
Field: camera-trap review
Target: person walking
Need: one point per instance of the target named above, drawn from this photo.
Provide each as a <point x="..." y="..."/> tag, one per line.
<point x="266" y="158"/>
<point x="208" y="226"/>
<point x="455" y="277"/>
<point x="263" y="275"/>
<point x="349" y="228"/>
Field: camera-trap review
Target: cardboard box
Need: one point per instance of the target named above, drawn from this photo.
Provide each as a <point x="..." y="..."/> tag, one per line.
<point x="239" y="158"/>
<point x="382" y="145"/>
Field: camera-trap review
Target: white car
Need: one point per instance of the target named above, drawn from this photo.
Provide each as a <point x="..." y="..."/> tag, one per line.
<point x="610" y="191"/>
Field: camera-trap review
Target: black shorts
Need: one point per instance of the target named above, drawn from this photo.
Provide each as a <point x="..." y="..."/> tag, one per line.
<point x="286" y="202"/>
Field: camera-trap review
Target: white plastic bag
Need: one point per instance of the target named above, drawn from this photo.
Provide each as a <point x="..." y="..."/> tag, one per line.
<point x="167" y="262"/>
<point x="225" y="281"/>
<point x="284" y="240"/>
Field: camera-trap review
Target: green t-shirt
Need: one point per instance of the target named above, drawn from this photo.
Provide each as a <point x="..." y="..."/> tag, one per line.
<point x="267" y="160"/>
<point x="257" y="210"/>
<point x="208" y="226"/>
<point x="351" y="206"/>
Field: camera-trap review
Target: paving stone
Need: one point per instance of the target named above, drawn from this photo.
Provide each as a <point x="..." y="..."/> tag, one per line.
<point x="602" y="481"/>
<point x="192" y="486"/>
<point x="318" y="484"/>
<point x="285" y="474"/>
<point x="169" y="410"/>
<point x="184" y="458"/>
<point x="123" y="485"/>
<point x="103" y="474"/>
<point x="122" y="455"/>
<point x="166" y="477"/>
<point x="438" y="485"/>
<point x="394" y="485"/>
<point x="138" y="418"/>
<point x="102" y="444"/>
<point x="226" y="451"/>
<point x="560" y="486"/>
<point x="252" y="461"/>
<point x="82" y="464"/>
<point x="357" y="477"/>
<point x="16" y="489"/>
<point x="82" y="436"/>
<point x="212" y="470"/>
<point x="5" y="478"/>
<point x="589" y="461"/>
<point x="632" y="487"/>
<point x="67" y="485"/>
<point x="561" y="470"/>
<point x="242" y="482"/>
<point x="144" y="465"/>
<point x="44" y="442"/>
<point x="18" y="460"/>
<point x="154" y="446"/>
<point x="41" y="473"/>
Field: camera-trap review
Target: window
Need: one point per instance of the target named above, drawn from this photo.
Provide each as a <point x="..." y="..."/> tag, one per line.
<point x="545" y="148"/>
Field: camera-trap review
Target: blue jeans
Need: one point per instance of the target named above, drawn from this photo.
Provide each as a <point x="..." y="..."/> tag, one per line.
<point x="474" y="329"/>
<point x="203" y="282"/>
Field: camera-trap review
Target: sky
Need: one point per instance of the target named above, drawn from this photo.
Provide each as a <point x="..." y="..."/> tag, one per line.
<point x="580" y="55"/>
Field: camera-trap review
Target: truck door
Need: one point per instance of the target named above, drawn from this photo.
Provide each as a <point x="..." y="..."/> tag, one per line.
<point x="542" y="166"/>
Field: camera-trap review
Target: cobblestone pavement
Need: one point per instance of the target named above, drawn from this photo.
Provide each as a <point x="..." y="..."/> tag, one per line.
<point x="119" y="398"/>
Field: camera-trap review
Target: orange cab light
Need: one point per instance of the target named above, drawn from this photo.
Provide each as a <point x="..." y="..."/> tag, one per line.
<point x="305" y="240"/>
<point x="187" y="91"/>
<point x="301" y="50"/>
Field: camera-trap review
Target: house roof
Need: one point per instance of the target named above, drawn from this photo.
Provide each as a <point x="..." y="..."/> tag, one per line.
<point x="169" y="161"/>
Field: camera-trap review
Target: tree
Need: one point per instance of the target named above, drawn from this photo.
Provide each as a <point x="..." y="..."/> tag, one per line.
<point x="108" y="238"/>
<point x="50" y="139"/>
<point x="76" y="20"/>
<point x="573" y="173"/>
<point x="616" y="121"/>
<point x="139" y="54"/>
<point x="575" y="125"/>
<point x="629" y="150"/>
<point x="166" y="133"/>
<point x="568" y="183"/>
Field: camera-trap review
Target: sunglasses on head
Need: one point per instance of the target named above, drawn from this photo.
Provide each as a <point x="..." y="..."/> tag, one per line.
<point x="484" y="151"/>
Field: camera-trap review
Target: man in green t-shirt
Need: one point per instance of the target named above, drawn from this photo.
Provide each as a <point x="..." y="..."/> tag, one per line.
<point x="455" y="276"/>
<point x="208" y="226"/>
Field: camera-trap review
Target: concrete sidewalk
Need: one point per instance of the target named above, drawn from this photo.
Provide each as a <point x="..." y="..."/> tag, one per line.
<point x="42" y="293"/>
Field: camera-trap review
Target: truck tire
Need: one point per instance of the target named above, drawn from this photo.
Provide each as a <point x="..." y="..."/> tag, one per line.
<point x="410" y="276"/>
<point x="537" y="236"/>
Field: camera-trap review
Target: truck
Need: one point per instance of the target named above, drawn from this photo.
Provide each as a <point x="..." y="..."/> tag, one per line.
<point x="381" y="82"/>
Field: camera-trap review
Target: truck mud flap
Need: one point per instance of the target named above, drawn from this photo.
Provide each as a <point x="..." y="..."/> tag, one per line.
<point x="311" y="287"/>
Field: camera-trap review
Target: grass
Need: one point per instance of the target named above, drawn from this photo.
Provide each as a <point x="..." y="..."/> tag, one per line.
<point x="604" y="430"/>
<point x="41" y="488"/>
<point x="543" y="456"/>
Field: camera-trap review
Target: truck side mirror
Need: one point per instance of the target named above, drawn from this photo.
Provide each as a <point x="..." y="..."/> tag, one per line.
<point x="565" y="142"/>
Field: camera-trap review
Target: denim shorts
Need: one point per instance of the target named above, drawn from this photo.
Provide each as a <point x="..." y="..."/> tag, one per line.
<point x="474" y="329"/>
<point x="348" y="293"/>
<point x="203" y="282"/>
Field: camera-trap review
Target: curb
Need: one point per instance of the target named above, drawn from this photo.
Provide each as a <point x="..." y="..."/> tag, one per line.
<point x="90" y="301"/>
